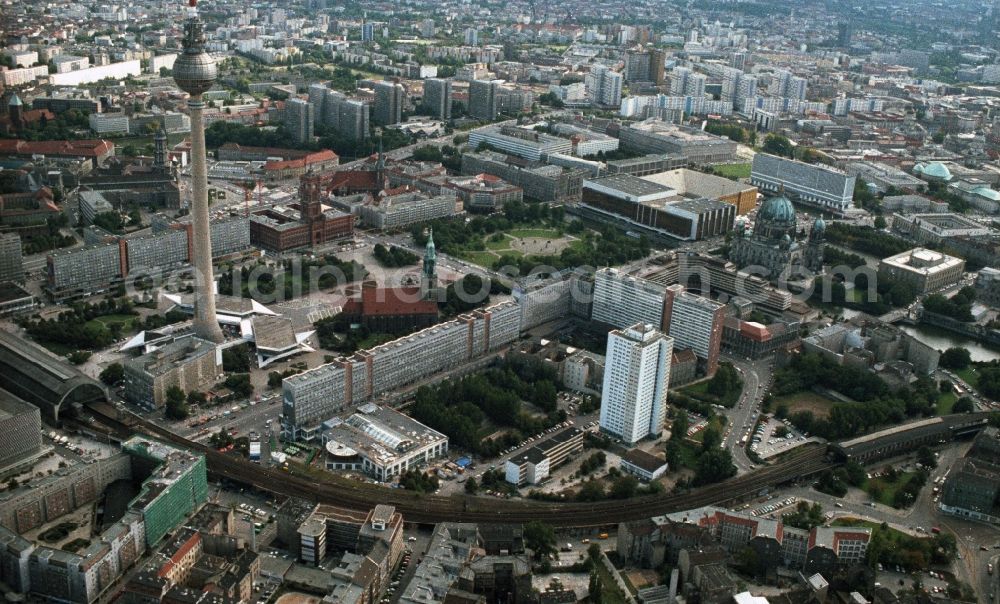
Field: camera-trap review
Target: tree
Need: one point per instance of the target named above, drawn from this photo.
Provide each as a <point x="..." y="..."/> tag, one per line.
<point x="964" y="405"/>
<point x="471" y="486"/>
<point x="880" y="222"/>
<point x="925" y="457"/>
<point x="855" y="473"/>
<point x="776" y="144"/>
<point x="714" y="465"/>
<point x="592" y="490"/>
<point x="955" y="358"/>
<point x="196" y="398"/>
<point x="678" y="430"/>
<point x="113" y="374"/>
<point x="711" y="438"/>
<point x="540" y="538"/>
<point x="79" y="357"/>
<point x="624" y="487"/>
<point x="236" y="359"/>
<point x="595" y="588"/>
<point x="176" y="407"/>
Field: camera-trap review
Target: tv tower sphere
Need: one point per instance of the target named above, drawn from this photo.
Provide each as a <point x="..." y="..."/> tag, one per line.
<point x="194" y="71"/>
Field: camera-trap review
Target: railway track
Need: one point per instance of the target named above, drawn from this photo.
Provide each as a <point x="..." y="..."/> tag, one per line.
<point x="341" y="492"/>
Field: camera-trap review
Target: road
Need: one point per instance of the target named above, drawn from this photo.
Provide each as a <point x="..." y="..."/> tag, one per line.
<point x="917" y="520"/>
<point x="756" y="377"/>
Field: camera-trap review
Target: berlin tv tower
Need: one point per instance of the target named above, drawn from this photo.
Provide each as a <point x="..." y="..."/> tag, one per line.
<point x="195" y="72"/>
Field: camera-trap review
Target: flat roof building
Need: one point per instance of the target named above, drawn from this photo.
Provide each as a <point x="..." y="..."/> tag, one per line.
<point x="523" y="142"/>
<point x="380" y="442"/>
<point x="924" y="270"/>
<point x="692" y="183"/>
<point x="812" y="184"/>
<point x="636" y="378"/>
<point x="696" y="323"/>
<point x="188" y="363"/>
<point x="655" y="206"/>
<point x="656" y="136"/>
<point x="21" y="425"/>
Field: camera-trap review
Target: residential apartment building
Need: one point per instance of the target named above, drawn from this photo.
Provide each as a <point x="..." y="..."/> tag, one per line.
<point x="636" y="378"/>
<point x="621" y="300"/>
<point x="316" y="395"/>
<point x="523" y="142"/>
<point x="11" y="261"/>
<point x="389" y="100"/>
<point x="21" y="425"/>
<point x="483" y="100"/>
<point x="604" y="86"/>
<point x="437" y="98"/>
<point x="300" y="120"/>
<point x="695" y="323"/>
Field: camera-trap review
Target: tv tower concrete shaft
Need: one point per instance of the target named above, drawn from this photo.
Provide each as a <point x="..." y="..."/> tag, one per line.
<point x="195" y="72"/>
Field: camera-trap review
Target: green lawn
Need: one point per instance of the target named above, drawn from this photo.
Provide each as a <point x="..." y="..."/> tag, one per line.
<point x="498" y="245"/>
<point x="484" y="259"/>
<point x="120" y="319"/>
<point x="716" y="421"/>
<point x="733" y="170"/>
<point x="969" y="375"/>
<point x="57" y="348"/>
<point x="610" y="594"/>
<point x="807" y="400"/>
<point x="689" y="454"/>
<point x="945" y="403"/>
<point x="889" y="488"/>
<point x="543" y="233"/>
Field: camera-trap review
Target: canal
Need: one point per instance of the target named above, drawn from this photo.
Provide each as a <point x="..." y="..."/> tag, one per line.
<point x="942" y="339"/>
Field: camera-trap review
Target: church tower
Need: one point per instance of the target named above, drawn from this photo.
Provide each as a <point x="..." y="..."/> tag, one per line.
<point x="428" y="280"/>
<point x="160" y="150"/>
<point x="311" y="205"/>
<point x="814" y="247"/>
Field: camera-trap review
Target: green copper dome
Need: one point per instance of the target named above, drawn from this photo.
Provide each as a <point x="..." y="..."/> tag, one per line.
<point x="935" y="169"/>
<point x="776" y="209"/>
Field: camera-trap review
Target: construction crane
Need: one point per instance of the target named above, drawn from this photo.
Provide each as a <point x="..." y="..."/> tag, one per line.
<point x="249" y="187"/>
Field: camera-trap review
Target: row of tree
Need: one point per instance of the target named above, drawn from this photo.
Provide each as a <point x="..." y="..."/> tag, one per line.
<point x="460" y="408"/>
<point x="875" y="404"/>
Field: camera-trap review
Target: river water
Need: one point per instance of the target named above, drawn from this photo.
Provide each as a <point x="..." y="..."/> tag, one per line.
<point x="942" y="339"/>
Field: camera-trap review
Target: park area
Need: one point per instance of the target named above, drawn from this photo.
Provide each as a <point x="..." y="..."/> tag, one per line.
<point x="517" y="243"/>
<point x="806" y="400"/>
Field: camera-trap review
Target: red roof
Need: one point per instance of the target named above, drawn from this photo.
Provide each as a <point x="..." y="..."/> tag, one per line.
<point x="313" y="158"/>
<point x="354" y="180"/>
<point x="755" y="331"/>
<point x="82" y="148"/>
<point x="389" y="301"/>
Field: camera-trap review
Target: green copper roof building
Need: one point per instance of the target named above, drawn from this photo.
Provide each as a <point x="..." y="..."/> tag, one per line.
<point x="176" y="488"/>
<point x="430" y="263"/>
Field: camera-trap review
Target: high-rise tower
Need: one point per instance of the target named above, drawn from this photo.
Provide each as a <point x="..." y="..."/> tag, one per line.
<point x="195" y="73"/>
<point x="429" y="276"/>
<point x="160" y="150"/>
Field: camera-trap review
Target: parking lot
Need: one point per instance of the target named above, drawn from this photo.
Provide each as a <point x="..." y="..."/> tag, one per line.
<point x="775" y="509"/>
<point x="773" y="436"/>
